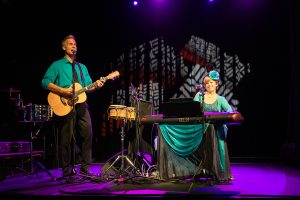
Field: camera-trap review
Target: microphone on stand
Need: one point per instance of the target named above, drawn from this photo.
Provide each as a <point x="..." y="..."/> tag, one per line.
<point x="200" y="88"/>
<point x="138" y="91"/>
<point x="74" y="51"/>
<point x="133" y="90"/>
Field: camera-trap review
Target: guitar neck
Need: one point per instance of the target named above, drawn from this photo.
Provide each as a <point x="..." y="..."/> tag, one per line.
<point x="84" y="89"/>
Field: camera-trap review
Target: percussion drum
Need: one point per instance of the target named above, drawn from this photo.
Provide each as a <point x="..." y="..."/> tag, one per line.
<point x="28" y="113"/>
<point x="41" y="112"/>
<point x="117" y="111"/>
<point x="131" y="114"/>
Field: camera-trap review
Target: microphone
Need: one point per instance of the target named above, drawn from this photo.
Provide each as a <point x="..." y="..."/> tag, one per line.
<point x="133" y="90"/>
<point x="138" y="91"/>
<point x="74" y="51"/>
<point x="200" y="88"/>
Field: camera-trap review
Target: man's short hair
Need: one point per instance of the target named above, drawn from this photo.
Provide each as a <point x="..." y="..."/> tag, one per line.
<point x="67" y="37"/>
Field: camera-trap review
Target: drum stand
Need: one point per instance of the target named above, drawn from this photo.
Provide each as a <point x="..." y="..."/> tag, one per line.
<point x="123" y="157"/>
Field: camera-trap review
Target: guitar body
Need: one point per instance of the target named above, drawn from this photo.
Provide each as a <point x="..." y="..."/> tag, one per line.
<point x="62" y="106"/>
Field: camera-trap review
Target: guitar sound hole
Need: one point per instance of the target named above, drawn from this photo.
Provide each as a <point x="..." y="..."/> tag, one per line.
<point x="63" y="101"/>
<point x="72" y="102"/>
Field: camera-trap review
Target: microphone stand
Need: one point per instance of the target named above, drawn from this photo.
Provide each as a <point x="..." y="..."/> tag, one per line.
<point x="136" y="103"/>
<point x="203" y="124"/>
<point x="74" y="120"/>
<point x="200" y="167"/>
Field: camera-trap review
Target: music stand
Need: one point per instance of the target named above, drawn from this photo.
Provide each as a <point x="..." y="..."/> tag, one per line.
<point x="123" y="157"/>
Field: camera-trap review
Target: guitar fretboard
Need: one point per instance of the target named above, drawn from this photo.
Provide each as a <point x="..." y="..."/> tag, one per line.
<point x="84" y="89"/>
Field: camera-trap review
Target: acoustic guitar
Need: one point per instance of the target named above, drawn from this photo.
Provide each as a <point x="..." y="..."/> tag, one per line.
<point x="61" y="106"/>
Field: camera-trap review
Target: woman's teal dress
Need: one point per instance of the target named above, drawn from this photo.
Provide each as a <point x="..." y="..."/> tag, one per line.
<point x="190" y="149"/>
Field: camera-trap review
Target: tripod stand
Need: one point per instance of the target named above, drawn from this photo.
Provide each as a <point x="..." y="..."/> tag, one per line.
<point x="123" y="157"/>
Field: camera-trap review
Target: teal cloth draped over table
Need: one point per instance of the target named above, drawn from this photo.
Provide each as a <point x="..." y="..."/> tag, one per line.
<point x="183" y="139"/>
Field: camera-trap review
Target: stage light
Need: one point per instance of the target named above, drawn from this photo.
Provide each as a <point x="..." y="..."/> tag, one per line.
<point x="135" y="3"/>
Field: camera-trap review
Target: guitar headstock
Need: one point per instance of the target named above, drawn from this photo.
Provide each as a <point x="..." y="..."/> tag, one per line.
<point x="113" y="75"/>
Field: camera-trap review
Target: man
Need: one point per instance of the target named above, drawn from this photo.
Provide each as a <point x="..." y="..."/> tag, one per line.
<point x="60" y="79"/>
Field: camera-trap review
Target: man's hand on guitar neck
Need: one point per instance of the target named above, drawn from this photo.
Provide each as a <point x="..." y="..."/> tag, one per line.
<point x="100" y="83"/>
<point x="97" y="85"/>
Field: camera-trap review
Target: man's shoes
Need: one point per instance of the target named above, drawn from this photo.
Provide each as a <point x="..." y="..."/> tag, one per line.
<point x="86" y="173"/>
<point x="73" y="172"/>
<point x="69" y="171"/>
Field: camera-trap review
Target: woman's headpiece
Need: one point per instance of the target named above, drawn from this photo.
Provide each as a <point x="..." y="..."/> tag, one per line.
<point x="214" y="75"/>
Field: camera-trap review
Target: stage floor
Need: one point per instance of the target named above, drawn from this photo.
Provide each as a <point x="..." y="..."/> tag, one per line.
<point x="252" y="180"/>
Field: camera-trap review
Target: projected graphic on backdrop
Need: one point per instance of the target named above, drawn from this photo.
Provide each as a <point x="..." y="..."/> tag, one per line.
<point x="161" y="72"/>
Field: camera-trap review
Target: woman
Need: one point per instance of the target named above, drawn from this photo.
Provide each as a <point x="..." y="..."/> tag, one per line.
<point x="214" y="152"/>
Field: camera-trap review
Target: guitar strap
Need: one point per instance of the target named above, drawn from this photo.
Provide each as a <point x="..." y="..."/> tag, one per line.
<point x="75" y="77"/>
<point x="81" y="74"/>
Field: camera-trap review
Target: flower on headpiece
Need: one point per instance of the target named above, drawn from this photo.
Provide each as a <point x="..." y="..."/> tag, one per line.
<point x="214" y="75"/>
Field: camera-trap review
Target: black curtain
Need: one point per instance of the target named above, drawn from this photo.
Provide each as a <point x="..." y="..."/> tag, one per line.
<point x="291" y="147"/>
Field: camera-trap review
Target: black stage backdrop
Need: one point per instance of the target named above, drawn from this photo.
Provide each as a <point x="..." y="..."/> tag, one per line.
<point x="261" y="35"/>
